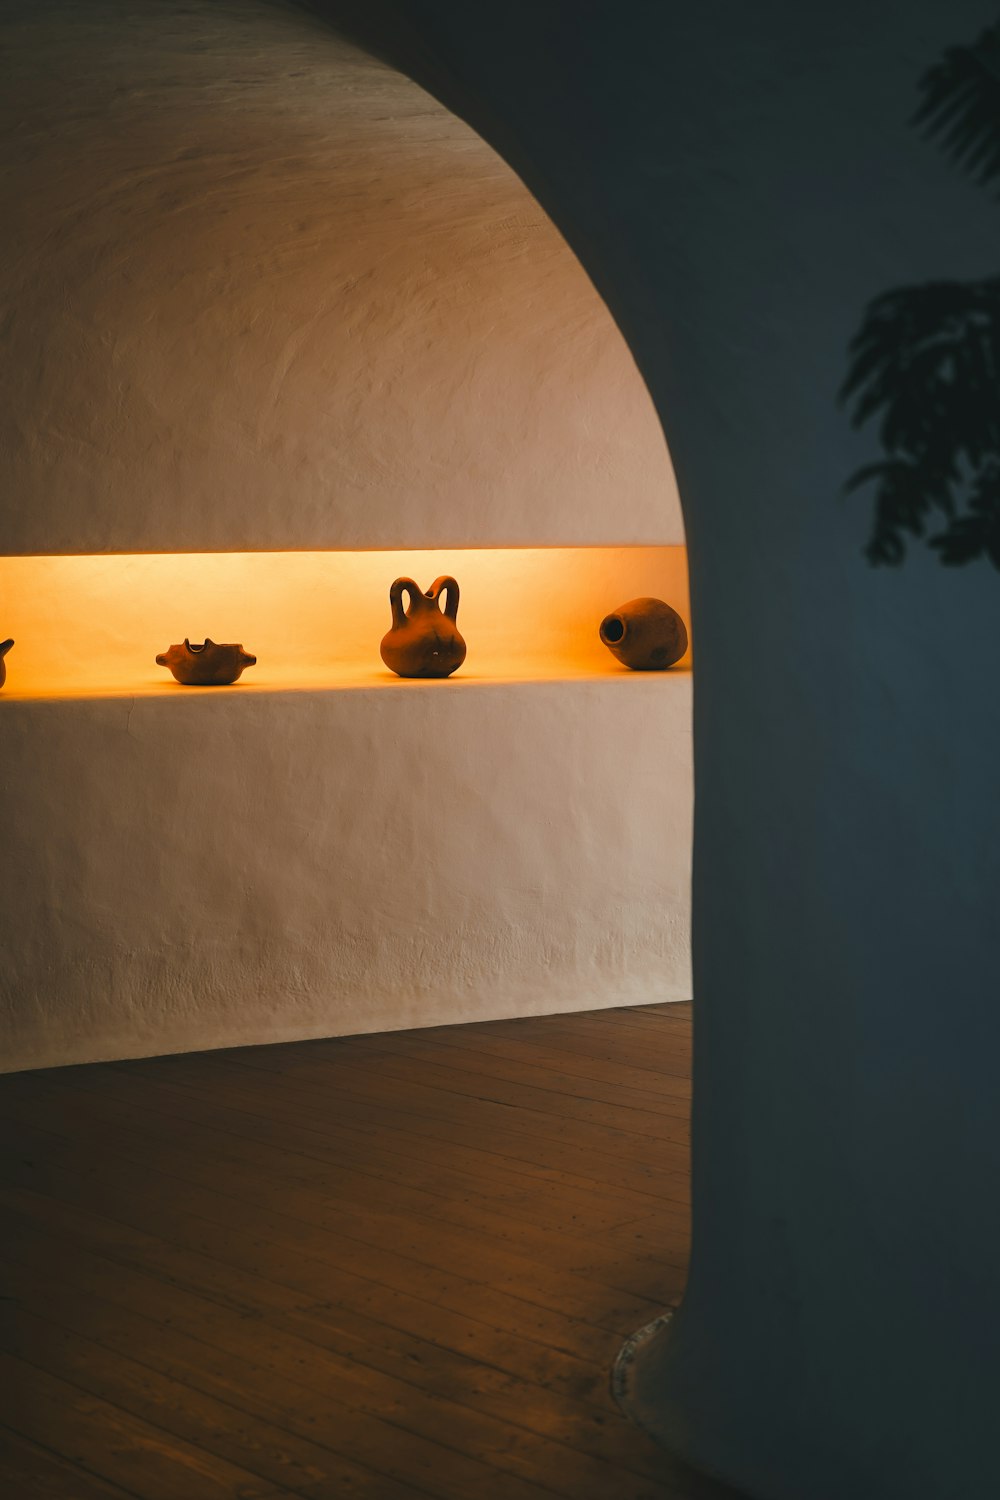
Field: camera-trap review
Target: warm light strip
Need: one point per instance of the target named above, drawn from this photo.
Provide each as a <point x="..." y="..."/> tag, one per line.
<point x="92" y="625"/>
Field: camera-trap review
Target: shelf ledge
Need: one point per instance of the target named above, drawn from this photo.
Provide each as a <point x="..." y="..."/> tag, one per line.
<point x="333" y="679"/>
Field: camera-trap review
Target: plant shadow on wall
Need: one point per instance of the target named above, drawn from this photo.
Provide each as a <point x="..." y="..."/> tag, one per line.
<point x="926" y="359"/>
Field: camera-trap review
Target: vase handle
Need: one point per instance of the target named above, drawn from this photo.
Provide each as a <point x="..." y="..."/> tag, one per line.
<point x="446" y="585"/>
<point x="399" y="588"/>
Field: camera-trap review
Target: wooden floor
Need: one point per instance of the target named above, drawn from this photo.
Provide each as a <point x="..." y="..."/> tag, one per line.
<point x="386" y="1266"/>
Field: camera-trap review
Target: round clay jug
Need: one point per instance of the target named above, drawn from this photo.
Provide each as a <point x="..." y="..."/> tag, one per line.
<point x="207" y="665"/>
<point x="645" y="634"/>
<point x="423" y="641"/>
<point x="4" y="648"/>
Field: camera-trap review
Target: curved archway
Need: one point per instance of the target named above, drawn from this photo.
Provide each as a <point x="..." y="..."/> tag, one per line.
<point x="740" y="184"/>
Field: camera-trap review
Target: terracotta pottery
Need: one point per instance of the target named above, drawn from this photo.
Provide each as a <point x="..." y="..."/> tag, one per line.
<point x="4" y="648"/>
<point x="645" y="634"/>
<point x="423" y="641"/>
<point x="207" y="665"/>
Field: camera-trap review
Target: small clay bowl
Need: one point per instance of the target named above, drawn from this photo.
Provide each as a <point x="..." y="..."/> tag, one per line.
<point x="207" y="665"/>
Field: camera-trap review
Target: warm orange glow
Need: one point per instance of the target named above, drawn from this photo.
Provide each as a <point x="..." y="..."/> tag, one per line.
<point x="91" y="626"/>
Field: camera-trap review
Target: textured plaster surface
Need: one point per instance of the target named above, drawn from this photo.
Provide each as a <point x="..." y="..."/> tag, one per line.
<point x="220" y="867"/>
<point x="263" y="294"/>
<point x="260" y="291"/>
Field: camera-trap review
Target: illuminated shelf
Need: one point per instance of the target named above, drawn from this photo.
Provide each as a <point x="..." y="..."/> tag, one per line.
<point x="334" y="678"/>
<point x="90" y="626"/>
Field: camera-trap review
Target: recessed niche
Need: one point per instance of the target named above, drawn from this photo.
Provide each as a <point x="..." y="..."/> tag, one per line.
<point x="91" y="626"/>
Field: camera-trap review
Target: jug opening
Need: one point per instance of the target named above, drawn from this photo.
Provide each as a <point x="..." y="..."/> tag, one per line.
<point x="613" y="629"/>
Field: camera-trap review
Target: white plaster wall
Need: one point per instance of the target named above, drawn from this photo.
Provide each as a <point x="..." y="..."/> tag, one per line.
<point x="260" y="291"/>
<point x="217" y="868"/>
<point x="262" y="294"/>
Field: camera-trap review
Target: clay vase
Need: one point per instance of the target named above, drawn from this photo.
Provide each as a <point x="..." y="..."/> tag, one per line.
<point x="423" y="641"/>
<point x="645" y="634"/>
<point x="207" y="665"/>
<point x="4" y="648"/>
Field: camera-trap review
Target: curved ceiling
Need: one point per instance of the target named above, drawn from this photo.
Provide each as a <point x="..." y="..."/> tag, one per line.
<point x="264" y="292"/>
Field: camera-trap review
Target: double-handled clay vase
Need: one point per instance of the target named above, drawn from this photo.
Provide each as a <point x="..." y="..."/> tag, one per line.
<point x="424" y="640"/>
<point x="207" y="665"/>
<point x="4" y="648"/>
<point x="645" y="634"/>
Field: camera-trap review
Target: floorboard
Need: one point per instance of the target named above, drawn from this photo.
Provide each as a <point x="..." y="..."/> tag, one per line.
<point x="363" y="1269"/>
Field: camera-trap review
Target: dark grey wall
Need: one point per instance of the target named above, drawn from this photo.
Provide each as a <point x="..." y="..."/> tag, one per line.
<point x="739" y="181"/>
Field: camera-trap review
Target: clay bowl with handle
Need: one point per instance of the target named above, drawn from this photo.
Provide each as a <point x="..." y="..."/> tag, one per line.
<point x="209" y="665"/>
